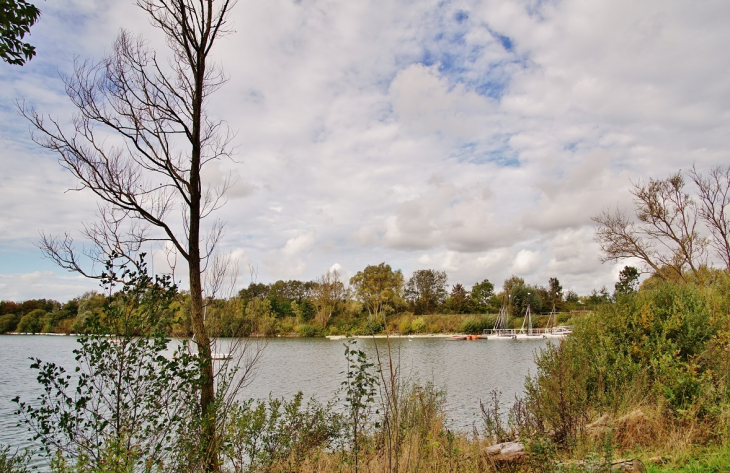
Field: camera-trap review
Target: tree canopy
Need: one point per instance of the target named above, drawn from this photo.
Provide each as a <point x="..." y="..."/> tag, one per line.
<point x="426" y="290"/>
<point x="378" y="287"/>
<point x="481" y="295"/>
<point x="16" y="18"/>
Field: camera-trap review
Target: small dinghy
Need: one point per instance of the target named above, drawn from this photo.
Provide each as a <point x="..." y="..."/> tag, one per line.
<point x="462" y="337"/>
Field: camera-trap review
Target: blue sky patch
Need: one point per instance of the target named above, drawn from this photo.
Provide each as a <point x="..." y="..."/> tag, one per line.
<point x="461" y="59"/>
<point x="572" y="147"/>
<point x="461" y="16"/>
<point x="496" y="151"/>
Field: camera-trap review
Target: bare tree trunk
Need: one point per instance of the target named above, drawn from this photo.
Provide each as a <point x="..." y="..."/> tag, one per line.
<point x="160" y="114"/>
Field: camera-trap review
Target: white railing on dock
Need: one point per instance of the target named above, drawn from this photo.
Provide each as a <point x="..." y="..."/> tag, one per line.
<point x="511" y="332"/>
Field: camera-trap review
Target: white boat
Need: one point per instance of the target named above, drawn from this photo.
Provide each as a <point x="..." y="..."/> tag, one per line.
<point x="221" y="356"/>
<point x="526" y="332"/>
<point x="518" y="334"/>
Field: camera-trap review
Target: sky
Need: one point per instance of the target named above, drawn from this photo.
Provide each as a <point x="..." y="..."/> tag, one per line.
<point x="474" y="137"/>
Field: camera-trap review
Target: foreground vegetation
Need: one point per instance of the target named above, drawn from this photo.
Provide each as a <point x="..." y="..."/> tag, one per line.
<point x="645" y="376"/>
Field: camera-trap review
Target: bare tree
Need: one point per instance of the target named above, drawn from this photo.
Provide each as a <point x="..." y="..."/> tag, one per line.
<point x="714" y="198"/>
<point x="666" y="236"/>
<point x="139" y="142"/>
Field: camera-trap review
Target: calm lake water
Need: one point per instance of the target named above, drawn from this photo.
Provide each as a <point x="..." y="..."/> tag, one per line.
<point x="467" y="370"/>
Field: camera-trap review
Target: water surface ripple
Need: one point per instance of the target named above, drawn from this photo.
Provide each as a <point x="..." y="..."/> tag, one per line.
<point x="467" y="370"/>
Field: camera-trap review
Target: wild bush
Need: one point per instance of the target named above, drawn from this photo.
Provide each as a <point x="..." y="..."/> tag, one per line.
<point x="128" y="406"/>
<point x="14" y="462"/>
<point x="307" y="330"/>
<point x="33" y="322"/>
<point x="659" y="346"/>
<point x="8" y="322"/>
<point x="477" y="324"/>
<point x="279" y="435"/>
<point x="406" y="325"/>
<point x="372" y="327"/>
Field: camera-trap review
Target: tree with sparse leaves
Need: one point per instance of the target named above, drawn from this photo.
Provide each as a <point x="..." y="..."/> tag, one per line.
<point x="16" y="18"/>
<point x="676" y="232"/>
<point x="326" y="293"/>
<point x="130" y="406"/>
<point x="426" y="290"/>
<point x="140" y="141"/>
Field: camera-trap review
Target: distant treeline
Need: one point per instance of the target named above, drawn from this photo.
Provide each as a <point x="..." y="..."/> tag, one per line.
<point x="328" y="306"/>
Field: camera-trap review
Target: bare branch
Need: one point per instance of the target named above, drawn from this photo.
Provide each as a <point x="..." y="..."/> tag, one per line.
<point x="619" y="239"/>
<point x="667" y="236"/>
<point x="61" y="250"/>
<point x="714" y="197"/>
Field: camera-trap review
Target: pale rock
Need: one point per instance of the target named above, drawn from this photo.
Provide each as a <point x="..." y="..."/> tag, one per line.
<point x="506" y="452"/>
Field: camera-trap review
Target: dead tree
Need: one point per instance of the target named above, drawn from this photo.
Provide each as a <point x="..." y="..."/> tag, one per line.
<point x="714" y="199"/>
<point x="666" y="236"/>
<point x="139" y="142"/>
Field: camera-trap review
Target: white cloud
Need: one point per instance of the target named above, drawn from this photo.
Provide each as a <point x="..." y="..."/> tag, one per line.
<point x="299" y="244"/>
<point x="477" y="137"/>
<point x="526" y="262"/>
<point x="43" y="284"/>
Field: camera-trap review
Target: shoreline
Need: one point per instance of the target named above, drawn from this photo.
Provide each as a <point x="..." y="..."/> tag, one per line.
<point x="393" y="335"/>
<point x="329" y="337"/>
<point x="379" y="336"/>
<point x="43" y="333"/>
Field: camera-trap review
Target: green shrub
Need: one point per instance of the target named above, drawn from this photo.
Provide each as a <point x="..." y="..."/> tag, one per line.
<point x="475" y="324"/>
<point x="8" y="322"/>
<point x="33" y="322"/>
<point x="372" y="327"/>
<point x="406" y="326"/>
<point x="150" y="419"/>
<point x="279" y="432"/>
<point x="14" y="462"/>
<point x="660" y="345"/>
<point x="306" y="330"/>
<point x="418" y="325"/>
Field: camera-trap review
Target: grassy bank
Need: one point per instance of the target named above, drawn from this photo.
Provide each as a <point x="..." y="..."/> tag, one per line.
<point x="647" y="375"/>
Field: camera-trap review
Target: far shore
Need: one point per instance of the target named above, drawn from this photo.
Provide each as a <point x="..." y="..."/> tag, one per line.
<point x="392" y="335"/>
<point x="44" y="333"/>
<point x="329" y="337"/>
